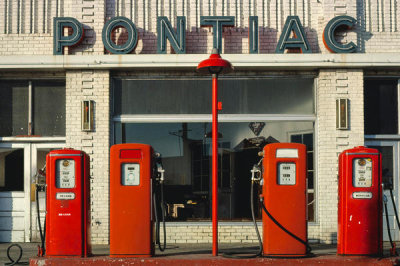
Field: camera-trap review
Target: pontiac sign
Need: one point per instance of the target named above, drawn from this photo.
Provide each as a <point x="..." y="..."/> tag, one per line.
<point x="292" y="36"/>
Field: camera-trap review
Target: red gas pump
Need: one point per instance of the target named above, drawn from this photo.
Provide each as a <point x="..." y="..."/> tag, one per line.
<point x="67" y="204"/>
<point x="360" y="202"/>
<point x="284" y="200"/>
<point x="133" y="177"/>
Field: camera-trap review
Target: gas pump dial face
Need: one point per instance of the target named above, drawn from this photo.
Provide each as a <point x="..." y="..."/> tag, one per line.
<point x="286" y="174"/>
<point x="65" y="173"/>
<point x="362" y="172"/>
<point x="130" y="175"/>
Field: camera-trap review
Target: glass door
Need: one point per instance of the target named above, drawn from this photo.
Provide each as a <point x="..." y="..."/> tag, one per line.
<point x="14" y="192"/>
<point x="18" y="165"/>
<point x="390" y="174"/>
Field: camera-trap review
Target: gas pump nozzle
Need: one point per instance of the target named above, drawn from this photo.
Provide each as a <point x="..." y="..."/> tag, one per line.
<point x="255" y="173"/>
<point x="160" y="171"/>
<point x="160" y="168"/>
<point x="40" y="179"/>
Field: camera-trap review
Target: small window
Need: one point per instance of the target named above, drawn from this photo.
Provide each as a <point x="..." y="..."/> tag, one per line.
<point x="14" y="97"/>
<point x="49" y="95"/>
<point x="380" y="106"/>
<point x="11" y="170"/>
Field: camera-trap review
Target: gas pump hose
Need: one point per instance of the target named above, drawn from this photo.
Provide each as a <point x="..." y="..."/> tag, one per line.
<point x="394" y="207"/>
<point x="308" y="248"/>
<point x="42" y="249"/>
<point x="388" y="226"/>
<point x="235" y="255"/>
<point x="162" y="248"/>
<point x="12" y="261"/>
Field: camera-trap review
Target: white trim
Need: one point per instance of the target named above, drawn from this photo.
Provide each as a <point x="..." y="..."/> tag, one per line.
<point x="398" y="105"/>
<point x="382" y="137"/>
<point x="27" y="191"/>
<point x="32" y="139"/>
<point x="175" y="118"/>
<point x="14" y="194"/>
<point x="248" y="61"/>
<point x="30" y="108"/>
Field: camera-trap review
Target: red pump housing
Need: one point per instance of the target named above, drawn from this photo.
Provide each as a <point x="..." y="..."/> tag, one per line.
<point x="360" y="202"/>
<point x="67" y="204"/>
<point x="285" y="198"/>
<point x="131" y="212"/>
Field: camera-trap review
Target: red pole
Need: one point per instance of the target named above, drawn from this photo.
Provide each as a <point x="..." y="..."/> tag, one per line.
<point x="215" y="163"/>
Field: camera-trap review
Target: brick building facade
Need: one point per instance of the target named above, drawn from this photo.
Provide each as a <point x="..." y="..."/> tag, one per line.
<point x="87" y="71"/>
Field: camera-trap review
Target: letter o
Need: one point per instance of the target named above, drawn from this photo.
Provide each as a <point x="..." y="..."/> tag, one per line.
<point x="129" y="45"/>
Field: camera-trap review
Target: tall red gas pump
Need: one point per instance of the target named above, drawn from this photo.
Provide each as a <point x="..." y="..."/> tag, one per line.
<point x="67" y="204"/>
<point x="284" y="200"/>
<point x="360" y="202"/>
<point x="133" y="180"/>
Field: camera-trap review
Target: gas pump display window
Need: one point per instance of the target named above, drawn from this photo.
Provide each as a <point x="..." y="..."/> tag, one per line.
<point x="362" y="172"/>
<point x="286" y="173"/>
<point x="130" y="174"/>
<point x="65" y="173"/>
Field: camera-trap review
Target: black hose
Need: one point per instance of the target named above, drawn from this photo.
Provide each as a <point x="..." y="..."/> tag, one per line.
<point x="161" y="247"/>
<point x="308" y="248"/>
<point x="394" y="208"/>
<point x="42" y="233"/>
<point x="235" y="254"/>
<point x="13" y="262"/>
<point x="387" y="223"/>
<point x="163" y="217"/>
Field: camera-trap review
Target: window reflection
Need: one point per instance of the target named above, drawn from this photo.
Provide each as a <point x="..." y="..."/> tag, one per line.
<point x="186" y="152"/>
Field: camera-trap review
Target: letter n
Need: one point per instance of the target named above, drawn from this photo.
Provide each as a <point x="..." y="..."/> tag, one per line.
<point x="165" y="31"/>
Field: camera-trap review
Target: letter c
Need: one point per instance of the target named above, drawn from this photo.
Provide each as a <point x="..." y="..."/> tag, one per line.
<point x="329" y="35"/>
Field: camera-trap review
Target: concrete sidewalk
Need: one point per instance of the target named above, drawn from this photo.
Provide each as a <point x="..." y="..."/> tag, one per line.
<point x="196" y="254"/>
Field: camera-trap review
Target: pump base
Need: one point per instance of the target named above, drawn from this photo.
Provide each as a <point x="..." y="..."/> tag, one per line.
<point x="131" y="255"/>
<point x="285" y="255"/>
<point x="208" y="259"/>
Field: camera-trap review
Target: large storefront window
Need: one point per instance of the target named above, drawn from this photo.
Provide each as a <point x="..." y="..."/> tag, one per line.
<point x="21" y="101"/>
<point x="186" y="145"/>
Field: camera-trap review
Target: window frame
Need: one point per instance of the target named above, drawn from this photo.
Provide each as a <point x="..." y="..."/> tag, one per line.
<point x="181" y="118"/>
<point x="31" y="136"/>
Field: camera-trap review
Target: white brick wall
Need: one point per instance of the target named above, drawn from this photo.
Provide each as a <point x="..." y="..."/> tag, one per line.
<point x="333" y="84"/>
<point x="202" y="233"/>
<point x="92" y="85"/>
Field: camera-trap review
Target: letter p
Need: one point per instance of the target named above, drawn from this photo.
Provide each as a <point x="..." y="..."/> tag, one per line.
<point x="61" y="41"/>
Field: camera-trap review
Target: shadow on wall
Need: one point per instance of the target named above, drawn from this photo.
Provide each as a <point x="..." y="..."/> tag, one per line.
<point x="88" y="42"/>
<point x="361" y="28"/>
